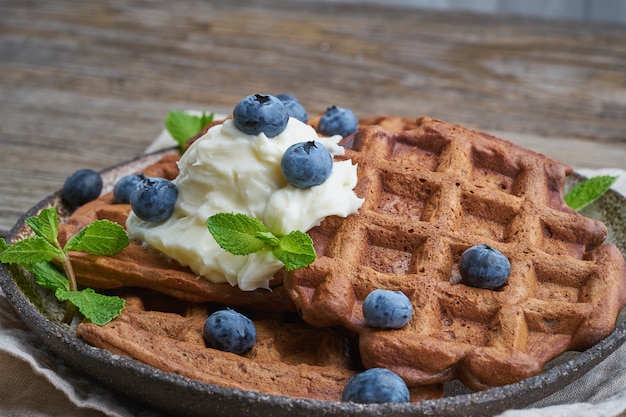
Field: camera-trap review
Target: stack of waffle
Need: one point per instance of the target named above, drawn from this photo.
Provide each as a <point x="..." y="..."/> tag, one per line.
<point x="431" y="190"/>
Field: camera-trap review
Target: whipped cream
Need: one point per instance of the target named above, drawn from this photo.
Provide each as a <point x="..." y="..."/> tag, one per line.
<point x="228" y="171"/>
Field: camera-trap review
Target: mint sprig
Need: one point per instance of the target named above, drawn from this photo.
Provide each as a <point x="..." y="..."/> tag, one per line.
<point x="241" y="234"/>
<point x="183" y="126"/>
<point x="588" y="191"/>
<point x="102" y="237"/>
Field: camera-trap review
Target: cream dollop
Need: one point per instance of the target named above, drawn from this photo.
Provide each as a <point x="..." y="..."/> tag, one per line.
<point x="228" y="171"/>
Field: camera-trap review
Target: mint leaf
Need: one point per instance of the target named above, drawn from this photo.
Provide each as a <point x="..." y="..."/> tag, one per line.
<point x="101" y="237"/>
<point x="206" y="119"/>
<point x="236" y="232"/>
<point x="30" y="251"/>
<point x="588" y="191"/>
<point x="99" y="309"/>
<point x="268" y="238"/>
<point x="295" y="250"/>
<point x="240" y="234"/>
<point x="183" y="126"/>
<point x="47" y="276"/>
<point x="46" y="225"/>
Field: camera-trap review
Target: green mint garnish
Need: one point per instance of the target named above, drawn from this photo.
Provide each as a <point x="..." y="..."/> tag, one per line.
<point x="46" y="226"/>
<point x="47" y="276"/>
<point x="30" y="251"/>
<point x="99" y="309"/>
<point x="237" y="233"/>
<point x="241" y="234"/>
<point x="183" y="126"/>
<point x="588" y="191"/>
<point x="295" y="250"/>
<point x="102" y="237"/>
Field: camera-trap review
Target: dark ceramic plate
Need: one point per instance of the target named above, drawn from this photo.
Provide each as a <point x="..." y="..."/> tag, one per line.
<point x="173" y="394"/>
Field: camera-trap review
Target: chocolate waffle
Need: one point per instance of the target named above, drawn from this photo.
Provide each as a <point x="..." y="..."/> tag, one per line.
<point x="432" y="190"/>
<point x="288" y="358"/>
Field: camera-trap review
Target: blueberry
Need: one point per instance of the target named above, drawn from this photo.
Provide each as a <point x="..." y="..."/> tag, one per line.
<point x="376" y="385"/>
<point x="153" y="199"/>
<point x="306" y="164"/>
<point x="338" y="121"/>
<point x="125" y="185"/>
<point x="229" y="331"/>
<point x="387" y="309"/>
<point x="294" y="108"/>
<point x="82" y="187"/>
<point x="261" y="113"/>
<point x="482" y="266"/>
<point x="286" y="97"/>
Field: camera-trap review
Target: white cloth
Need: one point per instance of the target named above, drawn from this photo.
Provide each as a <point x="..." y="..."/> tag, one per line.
<point x="34" y="383"/>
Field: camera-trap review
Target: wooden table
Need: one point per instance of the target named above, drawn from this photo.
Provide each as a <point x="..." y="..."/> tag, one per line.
<point x="88" y="84"/>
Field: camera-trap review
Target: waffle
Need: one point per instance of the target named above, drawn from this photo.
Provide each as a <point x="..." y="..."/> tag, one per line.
<point x="432" y="190"/>
<point x="288" y="358"/>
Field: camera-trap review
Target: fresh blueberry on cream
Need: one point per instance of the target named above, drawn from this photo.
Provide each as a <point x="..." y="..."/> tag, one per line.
<point x="306" y="164"/>
<point x="153" y="199"/>
<point x="294" y="108"/>
<point x="261" y="113"/>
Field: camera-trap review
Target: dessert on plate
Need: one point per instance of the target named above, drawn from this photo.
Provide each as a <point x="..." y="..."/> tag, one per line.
<point x="399" y="204"/>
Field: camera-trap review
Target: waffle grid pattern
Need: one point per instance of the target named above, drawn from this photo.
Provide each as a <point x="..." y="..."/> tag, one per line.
<point x="430" y="193"/>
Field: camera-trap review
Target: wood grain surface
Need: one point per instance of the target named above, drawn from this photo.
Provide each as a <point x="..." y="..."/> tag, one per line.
<point x="88" y="84"/>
